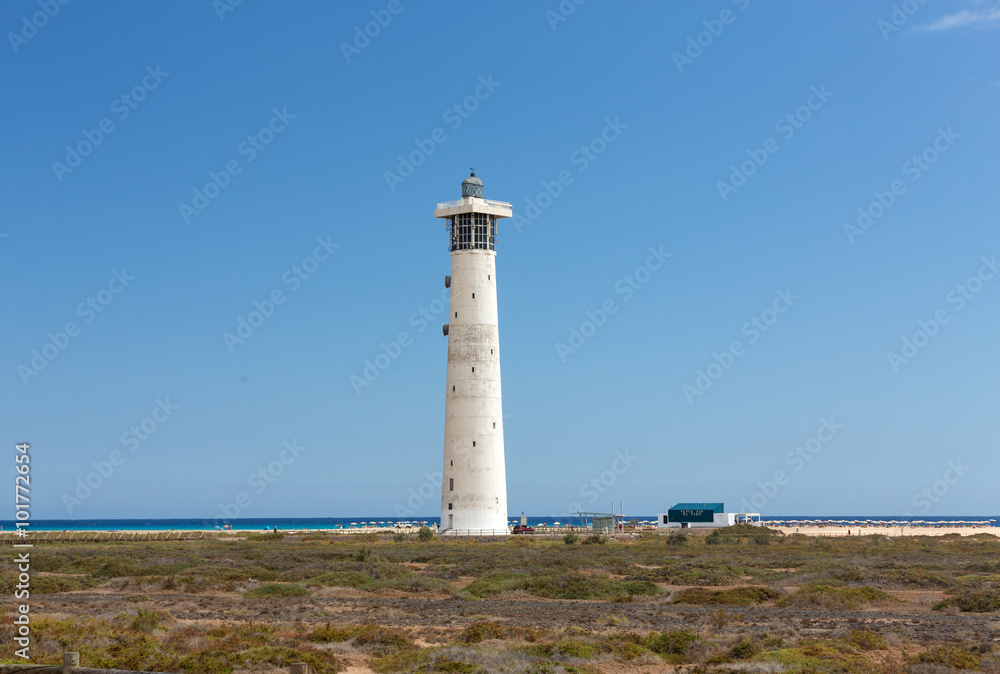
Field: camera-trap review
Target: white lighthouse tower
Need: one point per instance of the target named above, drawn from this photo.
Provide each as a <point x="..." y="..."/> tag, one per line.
<point x="474" y="488"/>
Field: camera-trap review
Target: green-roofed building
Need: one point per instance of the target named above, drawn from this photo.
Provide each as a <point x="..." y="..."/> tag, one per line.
<point x="702" y="514"/>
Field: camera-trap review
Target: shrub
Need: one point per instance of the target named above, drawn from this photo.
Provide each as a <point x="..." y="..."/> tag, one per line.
<point x="948" y="656"/>
<point x="594" y="539"/>
<point x="277" y="590"/>
<point x="743" y="650"/>
<point x="677" y="538"/>
<point x="425" y="534"/>
<point x="381" y="641"/>
<point x="739" y="596"/>
<point x="720" y="618"/>
<point x="399" y="537"/>
<point x="836" y="598"/>
<point x="670" y="643"/>
<point x="577" y="649"/>
<point x="480" y="631"/>
<point x="716" y="538"/>
<point x="145" y="621"/>
<point x="570" y="538"/>
<point x="865" y="639"/>
<point x="972" y="601"/>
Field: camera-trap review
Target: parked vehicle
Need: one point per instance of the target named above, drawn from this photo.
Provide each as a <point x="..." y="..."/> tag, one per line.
<point x="523" y="529"/>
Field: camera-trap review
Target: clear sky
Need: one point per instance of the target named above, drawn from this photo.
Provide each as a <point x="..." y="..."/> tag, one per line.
<point x="688" y="294"/>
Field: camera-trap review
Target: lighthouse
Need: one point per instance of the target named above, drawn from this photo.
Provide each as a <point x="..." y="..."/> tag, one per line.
<point x="474" y="484"/>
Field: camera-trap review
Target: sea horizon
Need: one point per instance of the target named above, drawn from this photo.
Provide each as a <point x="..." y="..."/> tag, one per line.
<point x="321" y="523"/>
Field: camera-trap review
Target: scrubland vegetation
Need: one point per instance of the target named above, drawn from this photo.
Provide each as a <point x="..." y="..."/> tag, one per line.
<point x="739" y="599"/>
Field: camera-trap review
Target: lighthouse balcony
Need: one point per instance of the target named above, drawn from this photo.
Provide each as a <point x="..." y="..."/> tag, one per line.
<point x="449" y="209"/>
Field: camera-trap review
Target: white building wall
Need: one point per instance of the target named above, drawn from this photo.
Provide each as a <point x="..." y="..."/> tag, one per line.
<point x="475" y="483"/>
<point x="718" y="520"/>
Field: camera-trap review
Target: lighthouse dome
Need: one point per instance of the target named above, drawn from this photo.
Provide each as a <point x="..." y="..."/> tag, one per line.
<point x="472" y="186"/>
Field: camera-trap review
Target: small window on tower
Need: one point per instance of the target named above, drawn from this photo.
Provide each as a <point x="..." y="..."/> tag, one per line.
<point x="473" y="295"/>
<point x="452" y="389"/>
<point x="451" y="484"/>
<point x="456" y="314"/>
<point x="473" y="443"/>
<point x="494" y="424"/>
<point x="452" y="462"/>
<point x="473" y="369"/>
<point x="449" y="506"/>
<point x="487" y="277"/>
<point x="491" y="351"/>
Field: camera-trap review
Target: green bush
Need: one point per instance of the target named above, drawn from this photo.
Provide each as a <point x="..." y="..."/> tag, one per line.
<point x="564" y="586"/>
<point x="865" y="639"/>
<point x="570" y="538"/>
<point x="277" y="590"/>
<point x="670" y="643"/>
<point x="836" y="598"/>
<point x="972" y="601"/>
<point x="481" y="631"/>
<point x="949" y="657"/>
<point x="577" y="649"/>
<point x="677" y="538"/>
<point x="594" y="539"/>
<point x="145" y="621"/>
<point x="399" y="537"/>
<point x="744" y="650"/>
<point x="425" y="534"/>
<point x="717" y="538"/>
<point x="739" y="596"/>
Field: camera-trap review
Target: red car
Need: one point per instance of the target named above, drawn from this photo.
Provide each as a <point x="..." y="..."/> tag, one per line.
<point x="522" y="529"/>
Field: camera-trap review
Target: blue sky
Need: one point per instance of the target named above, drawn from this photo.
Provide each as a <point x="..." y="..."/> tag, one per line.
<point x="167" y="166"/>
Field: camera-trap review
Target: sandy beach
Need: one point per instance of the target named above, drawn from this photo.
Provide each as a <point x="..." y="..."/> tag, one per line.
<point x="887" y="531"/>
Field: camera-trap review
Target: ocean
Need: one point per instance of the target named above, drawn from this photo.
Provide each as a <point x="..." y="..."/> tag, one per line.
<point x="269" y="523"/>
